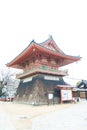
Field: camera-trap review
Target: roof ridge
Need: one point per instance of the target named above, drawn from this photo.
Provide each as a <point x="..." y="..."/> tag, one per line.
<point x="50" y="38"/>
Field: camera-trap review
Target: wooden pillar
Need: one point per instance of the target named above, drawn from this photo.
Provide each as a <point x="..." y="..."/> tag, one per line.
<point x="61" y="97"/>
<point x="78" y="93"/>
<point x="86" y="95"/>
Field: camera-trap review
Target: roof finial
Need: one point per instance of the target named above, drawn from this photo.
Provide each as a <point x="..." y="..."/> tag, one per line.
<point x="32" y="40"/>
<point x="50" y="36"/>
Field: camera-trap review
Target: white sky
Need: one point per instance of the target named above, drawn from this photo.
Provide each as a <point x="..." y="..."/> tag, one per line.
<point x="24" y="20"/>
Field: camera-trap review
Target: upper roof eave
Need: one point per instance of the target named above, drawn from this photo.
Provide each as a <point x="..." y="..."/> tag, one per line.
<point x="47" y="41"/>
<point x="41" y="47"/>
<point x="23" y="52"/>
<point x="63" y="55"/>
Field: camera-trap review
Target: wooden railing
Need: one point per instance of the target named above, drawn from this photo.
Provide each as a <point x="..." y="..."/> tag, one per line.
<point x="43" y="69"/>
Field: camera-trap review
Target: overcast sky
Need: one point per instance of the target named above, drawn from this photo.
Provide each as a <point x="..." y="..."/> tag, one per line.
<point x="24" y="20"/>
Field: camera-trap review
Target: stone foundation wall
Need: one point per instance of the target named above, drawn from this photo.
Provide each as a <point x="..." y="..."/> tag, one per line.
<point x="37" y="91"/>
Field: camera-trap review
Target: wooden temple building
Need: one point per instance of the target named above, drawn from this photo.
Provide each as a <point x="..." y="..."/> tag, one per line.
<point x="41" y="81"/>
<point x="81" y="90"/>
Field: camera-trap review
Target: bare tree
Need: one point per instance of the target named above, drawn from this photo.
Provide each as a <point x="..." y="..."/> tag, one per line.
<point x="1" y="87"/>
<point x="6" y="77"/>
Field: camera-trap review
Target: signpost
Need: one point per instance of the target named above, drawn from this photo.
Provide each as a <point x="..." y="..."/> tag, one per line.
<point x="66" y="95"/>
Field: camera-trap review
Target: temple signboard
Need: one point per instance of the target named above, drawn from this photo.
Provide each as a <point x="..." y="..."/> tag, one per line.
<point x="66" y="95"/>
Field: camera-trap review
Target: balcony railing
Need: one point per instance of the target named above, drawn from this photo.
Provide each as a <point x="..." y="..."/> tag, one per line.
<point x="43" y="69"/>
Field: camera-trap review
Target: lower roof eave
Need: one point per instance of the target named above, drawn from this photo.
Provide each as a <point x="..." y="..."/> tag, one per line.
<point x="34" y="73"/>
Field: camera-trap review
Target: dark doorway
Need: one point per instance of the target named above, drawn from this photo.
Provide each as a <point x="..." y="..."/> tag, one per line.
<point x="56" y="95"/>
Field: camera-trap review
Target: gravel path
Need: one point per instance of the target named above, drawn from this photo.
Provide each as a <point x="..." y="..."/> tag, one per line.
<point x="5" y="123"/>
<point x="73" y="118"/>
<point x="54" y="117"/>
